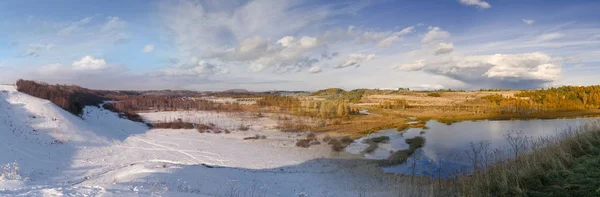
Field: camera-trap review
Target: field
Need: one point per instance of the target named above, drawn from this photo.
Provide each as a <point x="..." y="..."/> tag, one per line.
<point x="444" y="106"/>
<point x="51" y="152"/>
<point x="75" y="141"/>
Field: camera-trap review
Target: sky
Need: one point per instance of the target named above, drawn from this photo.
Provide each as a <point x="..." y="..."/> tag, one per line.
<point x="263" y="45"/>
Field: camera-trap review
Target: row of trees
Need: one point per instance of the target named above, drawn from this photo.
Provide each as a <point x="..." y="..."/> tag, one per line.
<point x="314" y="108"/>
<point x="353" y="96"/>
<point x="566" y="98"/>
<point x="329" y="109"/>
<point x="396" y="104"/>
<point x="169" y="103"/>
<point x="71" y="98"/>
<point x="282" y="102"/>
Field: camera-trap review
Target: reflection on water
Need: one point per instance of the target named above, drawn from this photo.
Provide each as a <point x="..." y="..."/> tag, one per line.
<point x="446" y="146"/>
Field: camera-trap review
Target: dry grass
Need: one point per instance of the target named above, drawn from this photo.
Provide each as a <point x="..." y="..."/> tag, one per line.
<point x="339" y="144"/>
<point x="359" y="126"/>
<point x="565" y="165"/>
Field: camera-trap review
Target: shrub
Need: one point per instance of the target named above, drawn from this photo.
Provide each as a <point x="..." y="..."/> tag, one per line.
<point x="243" y="127"/>
<point x="401" y="156"/>
<point x="252" y="138"/>
<point x="346" y="140"/>
<point x="304" y="143"/>
<point x="339" y="144"/>
<point x="256" y="137"/>
<point x="311" y="136"/>
<point x="372" y="147"/>
<point x="336" y="145"/>
<point x="380" y="139"/>
<point x="434" y="94"/>
<point x="172" y="125"/>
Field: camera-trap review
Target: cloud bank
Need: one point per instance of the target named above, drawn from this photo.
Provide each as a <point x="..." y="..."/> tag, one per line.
<point x="527" y="70"/>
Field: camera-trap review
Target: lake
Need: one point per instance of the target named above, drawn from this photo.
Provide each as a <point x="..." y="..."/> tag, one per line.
<point x="446" y="147"/>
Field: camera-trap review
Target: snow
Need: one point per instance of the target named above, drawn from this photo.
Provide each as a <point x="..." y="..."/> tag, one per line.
<point x="100" y="154"/>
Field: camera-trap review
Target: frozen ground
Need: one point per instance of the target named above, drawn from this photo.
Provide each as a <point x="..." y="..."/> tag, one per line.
<point x="47" y="151"/>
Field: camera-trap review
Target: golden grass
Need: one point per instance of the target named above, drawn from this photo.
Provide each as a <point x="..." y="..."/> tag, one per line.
<point x="564" y="165"/>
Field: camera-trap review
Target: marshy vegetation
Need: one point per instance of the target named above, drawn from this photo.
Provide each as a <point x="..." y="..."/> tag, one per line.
<point x="401" y="156"/>
<point x="564" y="165"/>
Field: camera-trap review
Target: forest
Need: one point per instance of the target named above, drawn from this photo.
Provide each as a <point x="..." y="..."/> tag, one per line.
<point x="71" y="98"/>
<point x="565" y="98"/>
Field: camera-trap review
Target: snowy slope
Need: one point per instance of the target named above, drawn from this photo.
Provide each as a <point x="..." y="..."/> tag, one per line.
<point x="100" y="154"/>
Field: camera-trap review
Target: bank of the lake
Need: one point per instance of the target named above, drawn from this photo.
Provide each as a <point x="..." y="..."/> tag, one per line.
<point x="445" y="148"/>
<point x="544" y="157"/>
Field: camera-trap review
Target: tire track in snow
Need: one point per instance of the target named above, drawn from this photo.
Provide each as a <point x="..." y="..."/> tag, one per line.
<point x="221" y="162"/>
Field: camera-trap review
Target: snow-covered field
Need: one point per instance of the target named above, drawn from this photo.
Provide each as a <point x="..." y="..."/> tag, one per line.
<point x="47" y="151"/>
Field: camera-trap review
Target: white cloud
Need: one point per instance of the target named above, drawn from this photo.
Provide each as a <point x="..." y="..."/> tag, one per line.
<point x="286" y="54"/>
<point x="435" y="34"/>
<point x="355" y="60"/>
<point x="148" y="48"/>
<point x="35" y="49"/>
<point x="444" y="48"/>
<point x="113" y="23"/>
<point x="86" y="66"/>
<point x="388" y="41"/>
<point x="528" y="21"/>
<point x="314" y="70"/>
<point x="383" y="39"/>
<point x="73" y="26"/>
<point x="194" y="68"/>
<point x="549" y="37"/>
<point x="476" y="3"/>
<point x="417" y="65"/>
<point x="527" y="70"/>
<point x="90" y="63"/>
<point x="405" y="31"/>
<point x="196" y="28"/>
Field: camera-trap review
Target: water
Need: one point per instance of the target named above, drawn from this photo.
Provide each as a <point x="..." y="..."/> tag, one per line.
<point x="446" y="146"/>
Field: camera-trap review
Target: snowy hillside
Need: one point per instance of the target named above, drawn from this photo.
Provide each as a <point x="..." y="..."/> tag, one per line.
<point x="47" y="151"/>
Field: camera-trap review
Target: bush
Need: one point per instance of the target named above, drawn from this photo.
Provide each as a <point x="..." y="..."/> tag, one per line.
<point x="374" y="143"/>
<point x="172" y="125"/>
<point x="346" y="140"/>
<point x="401" y="156"/>
<point x="380" y="139"/>
<point x="243" y="127"/>
<point x="434" y="94"/>
<point x="311" y="136"/>
<point x="304" y="143"/>
<point x="340" y="144"/>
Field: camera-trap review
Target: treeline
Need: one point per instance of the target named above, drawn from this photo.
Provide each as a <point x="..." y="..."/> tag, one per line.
<point x="566" y="98"/>
<point x="396" y="104"/>
<point x="329" y="109"/>
<point x="282" y="102"/>
<point x="353" y="96"/>
<point x="168" y="103"/>
<point x="126" y="103"/>
<point x="71" y="98"/>
<point x="313" y="108"/>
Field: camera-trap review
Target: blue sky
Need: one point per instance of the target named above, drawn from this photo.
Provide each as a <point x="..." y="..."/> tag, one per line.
<point x="301" y="45"/>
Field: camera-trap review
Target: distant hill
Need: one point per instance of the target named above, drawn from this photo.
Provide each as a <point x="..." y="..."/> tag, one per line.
<point x="236" y="91"/>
